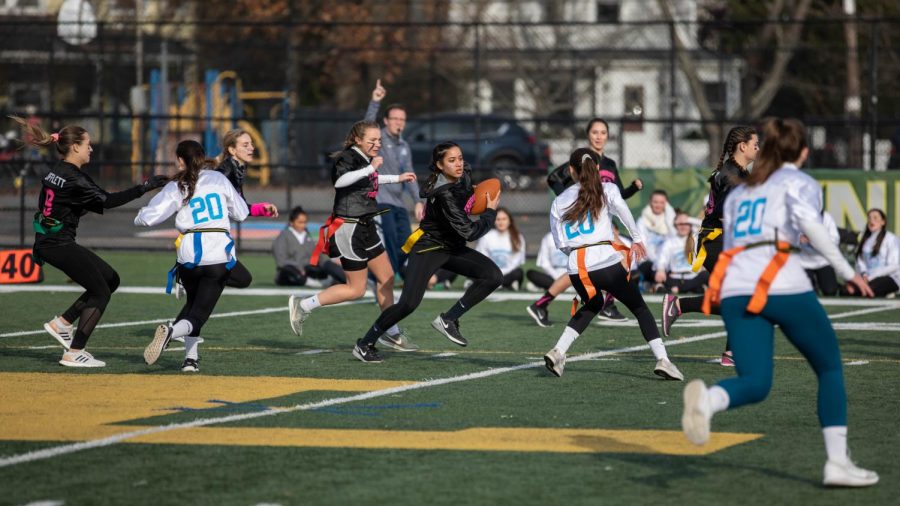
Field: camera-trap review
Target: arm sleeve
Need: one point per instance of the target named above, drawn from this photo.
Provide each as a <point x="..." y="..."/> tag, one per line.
<point x="728" y="236"/>
<point x="619" y="208"/>
<point x="163" y="205"/>
<point x="819" y="239"/>
<point x="554" y="228"/>
<point x="460" y="223"/>
<point x="519" y="259"/>
<point x="665" y="253"/>
<point x="353" y="176"/>
<point x="386" y="178"/>
<point x="628" y="192"/>
<point x="237" y="206"/>
<point x="123" y="197"/>
<point x="372" y="111"/>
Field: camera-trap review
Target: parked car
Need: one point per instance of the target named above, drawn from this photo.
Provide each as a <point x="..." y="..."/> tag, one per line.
<point x="496" y="147"/>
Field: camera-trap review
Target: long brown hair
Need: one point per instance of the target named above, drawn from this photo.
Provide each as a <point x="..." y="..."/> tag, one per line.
<point x="735" y="136"/>
<point x="35" y="135"/>
<point x="437" y="155"/>
<point x="783" y="141"/>
<point x="229" y="140"/>
<point x="357" y="131"/>
<point x="195" y="160"/>
<point x="514" y="237"/>
<point x="590" y="196"/>
<point x="868" y="233"/>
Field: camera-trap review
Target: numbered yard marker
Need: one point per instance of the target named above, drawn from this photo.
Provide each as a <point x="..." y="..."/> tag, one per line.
<point x="18" y="266"/>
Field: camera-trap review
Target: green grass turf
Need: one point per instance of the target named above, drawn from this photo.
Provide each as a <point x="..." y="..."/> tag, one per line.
<point x="618" y="392"/>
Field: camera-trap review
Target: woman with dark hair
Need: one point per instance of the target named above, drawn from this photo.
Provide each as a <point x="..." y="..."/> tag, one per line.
<point x="67" y="194"/>
<point x="581" y="224"/>
<point x="440" y="242"/>
<point x="740" y="150"/>
<point x="505" y="246"/>
<point x="759" y="283"/>
<point x="878" y="256"/>
<point x="349" y="234"/>
<point x="204" y="202"/>
<point x="597" y="132"/>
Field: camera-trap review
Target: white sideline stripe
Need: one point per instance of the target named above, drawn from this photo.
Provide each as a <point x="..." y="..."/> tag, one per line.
<point x="202" y="422"/>
<point x="498" y="296"/>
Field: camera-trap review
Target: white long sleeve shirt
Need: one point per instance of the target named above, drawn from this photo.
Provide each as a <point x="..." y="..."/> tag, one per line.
<point x="810" y="259"/>
<point x="497" y="246"/>
<point x="551" y="260"/>
<point x="886" y="263"/>
<point x="213" y="205"/>
<point x="672" y="259"/>
<point x="592" y="230"/>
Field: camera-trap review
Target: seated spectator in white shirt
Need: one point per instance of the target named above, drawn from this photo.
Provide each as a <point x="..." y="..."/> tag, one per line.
<point x="655" y="226"/>
<point x="552" y="263"/>
<point x="672" y="267"/>
<point x="506" y="247"/>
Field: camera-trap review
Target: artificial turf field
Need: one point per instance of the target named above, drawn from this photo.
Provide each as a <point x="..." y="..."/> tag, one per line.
<point x="278" y="419"/>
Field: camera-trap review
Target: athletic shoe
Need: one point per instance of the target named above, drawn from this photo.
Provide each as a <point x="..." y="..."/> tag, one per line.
<point x="514" y="286"/>
<point x="399" y="342"/>
<point x="449" y="329"/>
<point x="697" y="415"/>
<point x="667" y="370"/>
<point x="847" y="474"/>
<point x="727" y="359"/>
<point x="298" y="315"/>
<point x="555" y="361"/>
<point x="61" y="334"/>
<point x="80" y="358"/>
<point x="159" y="343"/>
<point x="366" y="353"/>
<point x="190" y="365"/>
<point x="531" y="287"/>
<point x="670" y="313"/>
<point x="539" y="315"/>
<point x="611" y="313"/>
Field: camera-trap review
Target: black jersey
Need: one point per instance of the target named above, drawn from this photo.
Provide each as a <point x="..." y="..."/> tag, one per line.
<point x="445" y="222"/>
<point x="560" y="179"/>
<point x="67" y="194"/>
<point x="235" y="172"/>
<point x="357" y="199"/>
<point x="721" y="182"/>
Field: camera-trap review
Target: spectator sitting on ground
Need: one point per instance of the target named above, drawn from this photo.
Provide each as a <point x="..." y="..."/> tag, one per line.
<point x="552" y="263"/>
<point x="672" y="266"/>
<point x="506" y="247"/>
<point x="293" y="248"/>
<point x="655" y="226"/>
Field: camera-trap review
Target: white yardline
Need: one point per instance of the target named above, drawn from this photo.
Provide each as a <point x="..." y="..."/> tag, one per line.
<point x="205" y="422"/>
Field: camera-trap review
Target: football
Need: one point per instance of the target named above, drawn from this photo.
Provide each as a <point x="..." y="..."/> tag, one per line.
<point x="491" y="186"/>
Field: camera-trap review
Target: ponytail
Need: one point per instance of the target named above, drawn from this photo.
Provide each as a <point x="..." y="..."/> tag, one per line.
<point x="590" y="196"/>
<point x="64" y="139"/>
<point x="735" y="136"/>
<point x="195" y="160"/>
<point x="357" y="131"/>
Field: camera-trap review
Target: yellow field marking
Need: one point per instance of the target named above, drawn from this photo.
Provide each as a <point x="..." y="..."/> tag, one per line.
<point x="66" y="407"/>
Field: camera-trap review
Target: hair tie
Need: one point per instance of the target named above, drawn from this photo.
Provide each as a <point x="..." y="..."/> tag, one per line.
<point x="55" y="137"/>
<point x="586" y="156"/>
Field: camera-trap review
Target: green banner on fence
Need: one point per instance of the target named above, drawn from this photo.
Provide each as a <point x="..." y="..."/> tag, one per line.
<point x="849" y="194"/>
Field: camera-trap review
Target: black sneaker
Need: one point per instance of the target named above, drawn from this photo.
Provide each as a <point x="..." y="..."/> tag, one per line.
<point x="449" y="329"/>
<point x="190" y="365"/>
<point x="611" y="313"/>
<point x="366" y="353"/>
<point x="539" y="314"/>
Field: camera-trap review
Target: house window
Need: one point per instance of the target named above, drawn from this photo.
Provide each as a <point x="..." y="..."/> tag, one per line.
<point x="607" y="11"/>
<point x="716" y="95"/>
<point x="634" y="109"/>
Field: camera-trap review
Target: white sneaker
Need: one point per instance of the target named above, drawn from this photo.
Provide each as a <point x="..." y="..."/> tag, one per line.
<point x="667" y="370"/>
<point x="555" y="361"/>
<point x="159" y="343"/>
<point x="847" y="474"/>
<point x="80" y="358"/>
<point x="531" y="287"/>
<point x="63" y="334"/>
<point x="313" y="283"/>
<point x="697" y="415"/>
<point x="297" y="314"/>
<point x="515" y="286"/>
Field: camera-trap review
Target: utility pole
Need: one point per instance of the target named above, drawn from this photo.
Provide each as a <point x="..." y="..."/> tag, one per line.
<point x="852" y="102"/>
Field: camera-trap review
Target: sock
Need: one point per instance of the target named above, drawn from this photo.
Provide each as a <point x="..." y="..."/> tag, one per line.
<point x="58" y="322"/>
<point x="371" y="336"/>
<point x="393" y="331"/>
<point x="191" y="343"/>
<point x="545" y="300"/>
<point x="182" y="328"/>
<point x="658" y="349"/>
<point x="568" y="337"/>
<point x="718" y="399"/>
<point x="836" y="442"/>
<point x="456" y="311"/>
<point x="310" y="303"/>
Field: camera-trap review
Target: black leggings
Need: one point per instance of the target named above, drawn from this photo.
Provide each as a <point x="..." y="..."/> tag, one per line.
<point x="511" y="277"/>
<point x="614" y="280"/>
<point x="694" y="304"/>
<point x="825" y="279"/>
<point x="484" y="273"/>
<point x="98" y="279"/>
<point x="881" y="286"/>
<point x="204" y="285"/>
<point x="540" y="279"/>
<point x="687" y="285"/>
<point x="238" y="277"/>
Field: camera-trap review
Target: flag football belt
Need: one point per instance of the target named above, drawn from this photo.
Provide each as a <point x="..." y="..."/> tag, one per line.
<point x="761" y="293"/>
<point x="45" y="224"/>
<point x="697" y="263"/>
<point x="332" y="224"/>
<point x="584" y="275"/>
<point x="173" y="277"/>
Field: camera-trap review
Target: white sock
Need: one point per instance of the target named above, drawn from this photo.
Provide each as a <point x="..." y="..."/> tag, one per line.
<point x="191" y="343"/>
<point x="182" y="328"/>
<point x="718" y="399"/>
<point x="60" y="324"/>
<point x="393" y="331"/>
<point x="568" y="337"/>
<point x="658" y="349"/>
<point x="310" y="303"/>
<point x="836" y="442"/>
